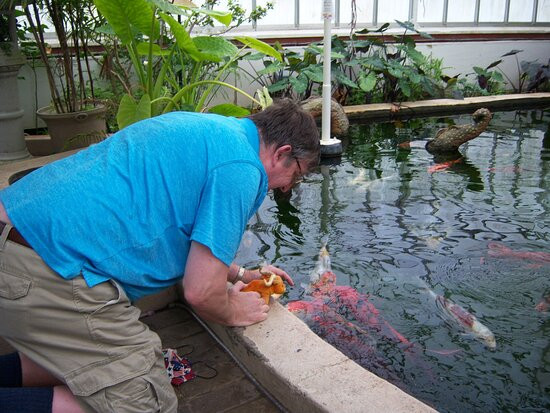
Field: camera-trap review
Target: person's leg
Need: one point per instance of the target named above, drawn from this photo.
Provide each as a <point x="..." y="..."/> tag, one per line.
<point x="10" y="370"/>
<point x="89" y="338"/>
<point x="64" y="401"/>
<point x="34" y="375"/>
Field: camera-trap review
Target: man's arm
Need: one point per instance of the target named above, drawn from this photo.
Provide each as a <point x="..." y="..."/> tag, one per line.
<point x="205" y="289"/>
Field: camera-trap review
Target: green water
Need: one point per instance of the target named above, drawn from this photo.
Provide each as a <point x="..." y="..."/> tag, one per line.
<point x="392" y="228"/>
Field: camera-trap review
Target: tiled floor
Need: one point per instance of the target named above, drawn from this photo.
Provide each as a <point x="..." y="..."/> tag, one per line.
<point x="229" y="391"/>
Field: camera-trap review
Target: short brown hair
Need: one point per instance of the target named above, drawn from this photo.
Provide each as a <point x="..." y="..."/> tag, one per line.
<point x="286" y="123"/>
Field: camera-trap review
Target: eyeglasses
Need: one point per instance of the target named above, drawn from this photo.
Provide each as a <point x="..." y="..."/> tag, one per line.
<point x="298" y="163"/>
<point x="300" y="173"/>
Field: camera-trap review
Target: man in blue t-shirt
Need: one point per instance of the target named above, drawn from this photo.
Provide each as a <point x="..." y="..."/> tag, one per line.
<point x="163" y="201"/>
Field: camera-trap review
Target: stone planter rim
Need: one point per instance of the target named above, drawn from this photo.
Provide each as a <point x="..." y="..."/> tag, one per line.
<point x="48" y="112"/>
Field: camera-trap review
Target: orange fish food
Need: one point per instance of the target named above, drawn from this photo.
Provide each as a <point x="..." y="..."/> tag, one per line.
<point x="267" y="286"/>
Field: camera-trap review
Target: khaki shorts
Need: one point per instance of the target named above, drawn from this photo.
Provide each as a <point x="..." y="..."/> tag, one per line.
<point x="90" y="338"/>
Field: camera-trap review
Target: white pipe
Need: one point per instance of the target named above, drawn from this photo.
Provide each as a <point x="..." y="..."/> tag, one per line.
<point x="327" y="86"/>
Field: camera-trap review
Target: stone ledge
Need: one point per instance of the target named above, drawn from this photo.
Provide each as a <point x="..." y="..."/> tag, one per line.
<point x="386" y="111"/>
<point x="306" y="374"/>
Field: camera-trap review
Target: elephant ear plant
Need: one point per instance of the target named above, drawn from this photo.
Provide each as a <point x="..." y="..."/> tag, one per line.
<point x="173" y="69"/>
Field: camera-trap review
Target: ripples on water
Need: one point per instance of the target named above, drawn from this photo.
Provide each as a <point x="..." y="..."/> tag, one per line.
<point x="393" y="228"/>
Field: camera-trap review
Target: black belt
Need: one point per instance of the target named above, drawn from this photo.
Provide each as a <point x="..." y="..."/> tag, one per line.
<point x="15" y="236"/>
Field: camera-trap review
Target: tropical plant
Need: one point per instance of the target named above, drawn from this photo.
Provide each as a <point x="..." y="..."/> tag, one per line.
<point x="293" y="76"/>
<point x="69" y="74"/>
<point x="396" y="71"/>
<point x="490" y="81"/>
<point x="174" y="70"/>
<point x="364" y="69"/>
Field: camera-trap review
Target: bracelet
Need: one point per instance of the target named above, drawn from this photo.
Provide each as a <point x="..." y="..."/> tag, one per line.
<point x="240" y="274"/>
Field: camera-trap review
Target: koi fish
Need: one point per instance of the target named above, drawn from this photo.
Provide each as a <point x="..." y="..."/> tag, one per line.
<point x="464" y="319"/>
<point x="345" y="318"/>
<point x="443" y="165"/>
<point x="498" y="250"/>
<point x="327" y="294"/>
<point x="543" y="304"/>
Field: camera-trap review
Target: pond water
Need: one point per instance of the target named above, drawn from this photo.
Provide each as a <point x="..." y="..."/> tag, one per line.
<point x="395" y="228"/>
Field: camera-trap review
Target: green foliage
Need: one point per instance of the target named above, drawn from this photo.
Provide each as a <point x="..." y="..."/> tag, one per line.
<point x="68" y="72"/>
<point x="174" y="70"/>
<point x="364" y="69"/>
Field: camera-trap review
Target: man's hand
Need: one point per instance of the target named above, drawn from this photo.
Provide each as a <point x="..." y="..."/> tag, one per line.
<point x="205" y="289"/>
<point x="248" y="308"/>
<point x="250" y="275"/>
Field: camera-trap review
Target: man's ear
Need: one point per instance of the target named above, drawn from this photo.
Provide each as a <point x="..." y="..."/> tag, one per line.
<point x="283" y="151"/>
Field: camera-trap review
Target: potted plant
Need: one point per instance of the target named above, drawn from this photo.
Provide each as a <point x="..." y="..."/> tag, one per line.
<point x="74" y="118"/>
<point x="12" y="144"/>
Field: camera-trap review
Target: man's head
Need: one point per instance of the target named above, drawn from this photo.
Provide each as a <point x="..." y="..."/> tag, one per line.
<point x="289" y="142"/>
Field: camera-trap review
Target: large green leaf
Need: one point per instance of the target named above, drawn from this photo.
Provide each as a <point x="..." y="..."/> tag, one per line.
<point x="405" y="87"/>
<point x="124" y="15"/>
<point x="314" y="73"/>
<point x="143" y="49"/>
<point x="183" y="39"/>
<point x="278" y="86"/>
<point x="367" y="83"/>
<point x="215" y="45"/>
<point x="228" y="109"/>
<point x="260" y="46"/>
<point x="271" y="68"/>
<point x="253" y="56"/>
<point x="299" y="83"/>
<point x="169" y="7"/>
<point x="343" y="79"/>
<point x="224" y="17"/>
<point x="131" y="112"/>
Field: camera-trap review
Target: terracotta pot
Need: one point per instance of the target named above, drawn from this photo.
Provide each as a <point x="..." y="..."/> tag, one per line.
<point x="75" y="129"/>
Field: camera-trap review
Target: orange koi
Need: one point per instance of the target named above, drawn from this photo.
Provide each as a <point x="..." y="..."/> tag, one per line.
<point x="498" y="250"/>
<point x="543" y="304"/>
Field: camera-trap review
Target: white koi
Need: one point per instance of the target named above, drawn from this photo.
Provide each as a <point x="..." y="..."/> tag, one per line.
<point x="465" y="319"/>
<point x="323" y="265"/>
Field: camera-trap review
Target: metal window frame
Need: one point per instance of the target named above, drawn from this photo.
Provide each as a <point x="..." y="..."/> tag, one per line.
<point x="413" y="15"/>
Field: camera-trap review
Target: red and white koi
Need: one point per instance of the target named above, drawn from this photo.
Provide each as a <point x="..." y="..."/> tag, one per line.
<point x="465" y="320"/>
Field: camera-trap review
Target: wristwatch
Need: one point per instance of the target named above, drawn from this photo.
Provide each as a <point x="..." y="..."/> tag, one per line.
<point x="240" y="274"/>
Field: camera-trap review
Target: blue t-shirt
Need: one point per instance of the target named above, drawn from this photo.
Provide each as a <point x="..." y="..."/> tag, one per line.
<point x="128" y="208"/>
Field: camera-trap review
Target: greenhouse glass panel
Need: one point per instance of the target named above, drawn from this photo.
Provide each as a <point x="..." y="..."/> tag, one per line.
<point x="543" y="11"/>
<point x="310" y="12"/>
<point x="430" y="11"/>
<point x="222" y="5"/>
<point x="282" y="14"/>
<point x="521" y="10"/>
<point x="461" y="11"/>
<point x="492" y="10"/>
<point x="363" y="9"/>
<point x="391" y="10"/>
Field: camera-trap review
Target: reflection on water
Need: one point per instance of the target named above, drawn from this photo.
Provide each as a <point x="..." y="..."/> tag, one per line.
<point x="394" y="226"/>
